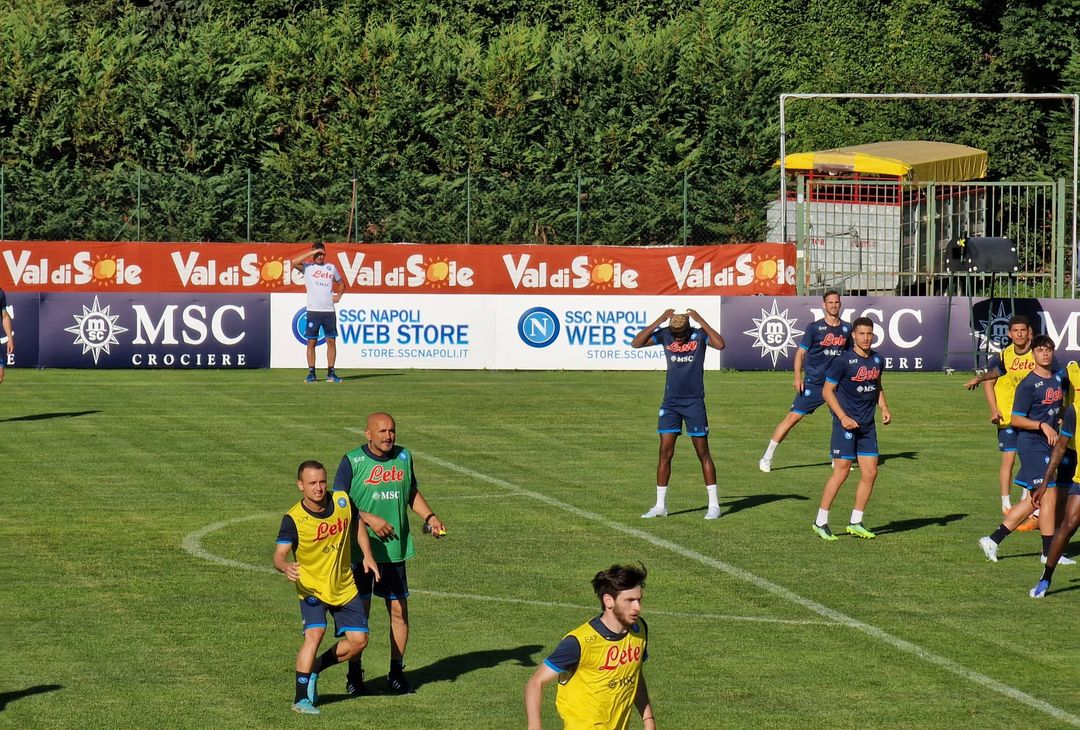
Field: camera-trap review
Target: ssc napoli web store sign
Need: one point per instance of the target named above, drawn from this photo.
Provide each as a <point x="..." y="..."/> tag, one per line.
<point x="586" y="333"/>
<point x="154" y="331"/>
<point x="390" y="331"/>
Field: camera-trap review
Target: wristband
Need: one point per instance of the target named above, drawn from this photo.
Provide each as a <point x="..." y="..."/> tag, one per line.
<point x="428" y="518"/>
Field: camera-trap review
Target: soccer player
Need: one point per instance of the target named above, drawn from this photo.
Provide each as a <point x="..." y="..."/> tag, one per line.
<point x="5" y="319"/>
<point x="598" y="664"/>
<point x="823" y="340"/>
<point x="318" y="531"/>
<point x="324" y="289"/>
<point x="852" y="389"/>
<point x="380" y="479"/>
<point x="1036" y="413"/>
<point x="1063" y="463"/>
<point x="1003" y="373"/>
<point x="684" y="398"/>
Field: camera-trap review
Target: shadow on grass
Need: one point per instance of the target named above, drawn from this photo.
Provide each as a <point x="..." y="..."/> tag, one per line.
<point x="6" y="697"/>
<point x="447" y="669"/>
<point x="918" y="523"/>
<point x="739" y="503"/>
<point x="365" y="376"/>
<point x="911" y="455"/>
<point x="46" y="416"/>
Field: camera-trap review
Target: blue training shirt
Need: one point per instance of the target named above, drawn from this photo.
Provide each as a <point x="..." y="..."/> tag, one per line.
<point x="858" y="383"/>
<point x="823" y="342"/>
<point x="685" y="364"/>
<point x="1039" y="399"/>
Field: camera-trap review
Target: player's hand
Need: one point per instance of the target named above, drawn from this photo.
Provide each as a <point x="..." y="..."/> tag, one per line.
<point x="292" y="571"/>
<point x="799" y="382"/>
<point x="1036" y="495"/>
<point x="438" y="529"/>
<point x="995" y="418"/>
<point x="886" y="416"/>
<point x="379" y="526"/>
<point x="973" y="383"/>
<point x="10" y="345"/>
<point x="849" y="423"/>
<point x="666" y="315"/>
<point x="1050" y="433"/>
<point x="370" y="566"/>
<point x="693" y="315"/>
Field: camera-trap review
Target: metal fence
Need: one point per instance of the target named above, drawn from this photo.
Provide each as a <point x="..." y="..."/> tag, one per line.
<point x="898" y="236"/>
<point x="476" y="206"/>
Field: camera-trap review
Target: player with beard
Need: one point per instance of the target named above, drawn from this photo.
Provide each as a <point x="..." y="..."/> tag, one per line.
<point x="599" y="663"/>
<point x="853" y="390"/>
<point x="684" y="398"/>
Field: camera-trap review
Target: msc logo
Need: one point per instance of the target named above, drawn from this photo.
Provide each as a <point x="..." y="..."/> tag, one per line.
<point x="299" y="328"/>
<point x="774" y="333"/>
<point x="994" y="330"/>
<point x="538" y="327"/>
<point x="96" y="330"/>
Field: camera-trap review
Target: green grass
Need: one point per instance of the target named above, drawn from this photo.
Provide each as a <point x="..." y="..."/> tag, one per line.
<point x="109" y="622"/>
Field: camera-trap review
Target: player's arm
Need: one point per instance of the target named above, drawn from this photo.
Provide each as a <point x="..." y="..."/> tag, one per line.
<point x="420" y="506"/>
<point x="641" y="702"/>
<point x="534" y="693"/>
<point x="641" y="339"/>
<point x="338" y="286"/>
<point x="797" y="367"/>
<point x="716" y="341"/>
<point x="828" y="393"/>
<point x="991" y="400"/>
<point x="1021" y="421"/>
<point x="8" y="331"/>
<point x="994" y="370"/>
<point x="301" y="257"/>
<point x="364" y="543"/>
<point x="886" y="414"/>
<point x="286" y="540"/>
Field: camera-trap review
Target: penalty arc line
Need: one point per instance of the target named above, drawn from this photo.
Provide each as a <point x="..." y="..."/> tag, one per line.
<point x="192" y="544"/>
<point x="776" y="589"/>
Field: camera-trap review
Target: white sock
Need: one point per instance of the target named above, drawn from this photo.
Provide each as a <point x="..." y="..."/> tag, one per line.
<point x="856" y="516"/>
<point x="661" y="497"/>
<point x="1006" y="503"/>
<point x="822" y="517"/>
<point x="713" y="499"/>
<point x="770" y="450"/>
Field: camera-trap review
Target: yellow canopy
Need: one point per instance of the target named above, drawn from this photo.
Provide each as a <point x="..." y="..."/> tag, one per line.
<point x="911" y="160"/>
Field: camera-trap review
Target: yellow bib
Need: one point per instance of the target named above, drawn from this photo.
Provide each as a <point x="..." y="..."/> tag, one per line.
<point x="322" y="550"/>
<point x="599" y="695"/>
<point x="1016" y="369"/>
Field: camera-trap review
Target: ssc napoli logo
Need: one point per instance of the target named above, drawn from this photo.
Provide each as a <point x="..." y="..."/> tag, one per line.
<point x="774" y="333"/>
<point x="538" y="327"/>
<point x="404" y="455"/>
<point x="299" y="328"/>
<point x="806" y="392"/>
<point x="847" y="435"/>
<point x="341" y="502"/>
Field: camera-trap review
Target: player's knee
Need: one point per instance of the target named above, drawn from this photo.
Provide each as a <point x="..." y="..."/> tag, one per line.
<point x="355" y="643"/>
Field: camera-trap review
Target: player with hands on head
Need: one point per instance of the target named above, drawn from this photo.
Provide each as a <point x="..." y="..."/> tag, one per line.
<point x="684" y="398"/>
<point x="324" y="287"/>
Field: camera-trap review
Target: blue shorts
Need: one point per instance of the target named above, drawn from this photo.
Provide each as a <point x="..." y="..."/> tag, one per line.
<point x="1007" y="438"/>
<point x="350" y="617"/>
<point x="393" y="584"/>
<point x="1033" y="461"/>
<point x="327" y="321"/>
<point x="1074" y="490"/>
<point x="850" y="445"/>
<point x="691" y="412"/>
<point x="808" y="400"/>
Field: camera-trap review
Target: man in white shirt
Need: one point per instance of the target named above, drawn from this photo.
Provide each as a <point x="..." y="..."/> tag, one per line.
<point x="324" y="288"/>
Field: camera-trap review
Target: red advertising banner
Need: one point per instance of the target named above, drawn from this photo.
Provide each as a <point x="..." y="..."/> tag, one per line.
<point x="76" y="266"/>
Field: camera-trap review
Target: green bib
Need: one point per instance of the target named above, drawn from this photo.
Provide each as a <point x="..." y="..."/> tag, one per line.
<point x="382" y="488"/>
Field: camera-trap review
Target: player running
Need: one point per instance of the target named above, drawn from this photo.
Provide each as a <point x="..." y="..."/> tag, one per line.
<point x="824" y="339"/>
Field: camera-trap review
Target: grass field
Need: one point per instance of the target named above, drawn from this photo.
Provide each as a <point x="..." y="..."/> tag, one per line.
<point x="140" y="511"/>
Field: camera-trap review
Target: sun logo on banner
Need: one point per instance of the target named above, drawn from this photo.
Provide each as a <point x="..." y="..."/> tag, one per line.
<point x="437" y="273"/>
<point x="104" y="270"/>
<point x="774" y="333"/>
<point x="271" y="272"/>
<point x="602" y="274"/>
<point x="96" y="330"/>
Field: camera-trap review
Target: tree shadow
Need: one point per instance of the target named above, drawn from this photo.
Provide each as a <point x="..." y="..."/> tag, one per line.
<point x="46" y="416"/>
<point x="918" y="523"/>
<point x="448" y="669"/>
<point x="6" y="697"/>
<point x="739" y="503"/>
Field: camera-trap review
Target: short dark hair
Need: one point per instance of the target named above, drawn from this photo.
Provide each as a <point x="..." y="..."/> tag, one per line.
<point x="1019" y="319"/>
<point x="618" y="578"/>
<point x="1042" y="341"/>
<point x="318" y="246"/>
<point x="860" y="321"/>
<point x="309" y="464"/>
<point x="829" y="293"/>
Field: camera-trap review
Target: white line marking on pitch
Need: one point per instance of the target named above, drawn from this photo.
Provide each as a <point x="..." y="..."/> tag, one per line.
<point x="776" y="589"/>
<point x="192" y="543"/>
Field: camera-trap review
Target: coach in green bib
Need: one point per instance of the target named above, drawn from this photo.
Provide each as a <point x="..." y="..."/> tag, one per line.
<point x="381" y="482"/>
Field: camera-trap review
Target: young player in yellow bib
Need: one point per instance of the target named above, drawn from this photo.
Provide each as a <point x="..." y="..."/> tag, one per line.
<point x="318" y="530"/>
<point x="598" y="664"/>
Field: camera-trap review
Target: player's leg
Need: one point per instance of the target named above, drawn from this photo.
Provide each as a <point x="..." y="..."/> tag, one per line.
<point x="668" y="426"/>
<point x="313" y="613"/>
<point x="866" y="455"/>
<point x="1061" y="539"/>
<point x="1030" y="473"/>
<point x="311" y="360"/>
<point x="2" y="369"/>
<point x="708" y="471"/>
<point x="806" y="402"/>
<point x="365" y="586"/>
<point x="842" y="451"/>
<point x="1005" y="473"/>
<point x="395" y="586"/>
<point x="351" y="624"/>
<point x="330" y="332"/>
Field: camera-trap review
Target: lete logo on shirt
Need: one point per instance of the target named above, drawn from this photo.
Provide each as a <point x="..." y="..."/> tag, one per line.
<point x="379" y="475"/>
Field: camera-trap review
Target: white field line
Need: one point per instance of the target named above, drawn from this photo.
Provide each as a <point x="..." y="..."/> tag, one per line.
<point x="192" y="543"/>
<point x="774" y="588"/>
